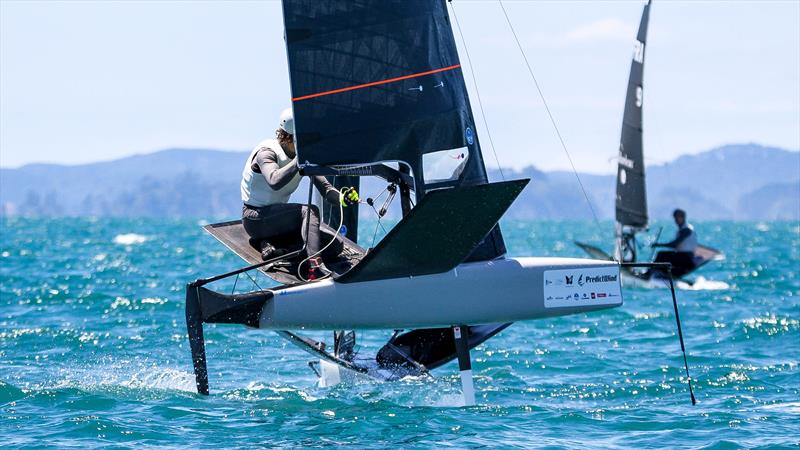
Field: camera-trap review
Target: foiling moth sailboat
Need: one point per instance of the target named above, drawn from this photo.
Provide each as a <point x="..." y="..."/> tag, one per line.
<point x="378" y="91"/>
<point x="631" y="198"/>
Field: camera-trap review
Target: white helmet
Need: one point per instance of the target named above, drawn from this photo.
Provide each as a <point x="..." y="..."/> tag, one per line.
<point x="287" y="121"/>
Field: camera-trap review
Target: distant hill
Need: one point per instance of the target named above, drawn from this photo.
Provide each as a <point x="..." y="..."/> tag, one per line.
<point x="719" y="184"/>
<point x="171" y="183"/>
<point x="742" y="182"/>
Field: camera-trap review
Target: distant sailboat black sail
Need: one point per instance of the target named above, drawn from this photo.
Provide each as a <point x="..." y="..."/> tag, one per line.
<point x="631" y="198"/>
<point x="631" y="203"/>
<point x="380" y="80"/>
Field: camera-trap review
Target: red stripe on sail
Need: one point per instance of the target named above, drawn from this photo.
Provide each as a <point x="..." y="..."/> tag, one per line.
<point x="374" y="83"/>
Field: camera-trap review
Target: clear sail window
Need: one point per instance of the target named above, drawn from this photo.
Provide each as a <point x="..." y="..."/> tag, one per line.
<point x="444" y="165"/>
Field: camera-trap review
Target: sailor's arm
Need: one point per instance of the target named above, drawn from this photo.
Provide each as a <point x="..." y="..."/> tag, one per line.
<point x="266" y="162"/>
<point x="327" y="190"/>
<point x="346" y="197"/>
<point x="683" y="233"/>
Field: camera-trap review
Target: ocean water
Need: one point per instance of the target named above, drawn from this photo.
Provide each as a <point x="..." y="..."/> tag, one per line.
<point x="93" y="353"/>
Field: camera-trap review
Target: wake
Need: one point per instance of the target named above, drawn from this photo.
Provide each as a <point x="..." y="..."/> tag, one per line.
<point x="702" y="284"/>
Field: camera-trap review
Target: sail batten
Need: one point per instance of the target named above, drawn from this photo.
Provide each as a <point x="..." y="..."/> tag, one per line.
<point x="631" y="201"/>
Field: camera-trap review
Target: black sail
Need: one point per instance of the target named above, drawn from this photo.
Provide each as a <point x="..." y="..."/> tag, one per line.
<point x="631" y="205"/>
<point x="380" y="80"/>
<point x="364" y="77"/>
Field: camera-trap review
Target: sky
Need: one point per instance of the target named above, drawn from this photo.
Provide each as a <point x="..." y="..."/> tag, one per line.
<point x="83" y="81"/>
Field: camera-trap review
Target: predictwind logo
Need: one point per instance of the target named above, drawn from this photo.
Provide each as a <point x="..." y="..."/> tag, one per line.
<point x="597" y="279"/>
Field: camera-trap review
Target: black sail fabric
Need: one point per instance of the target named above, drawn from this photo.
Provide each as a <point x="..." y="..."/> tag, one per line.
<point x="631" y="205"/>
<point x="374" y="80"/>
<point x="380" y="80"/>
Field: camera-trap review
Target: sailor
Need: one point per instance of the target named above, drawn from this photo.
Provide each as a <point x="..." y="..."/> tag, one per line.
<point x="683" y="246"/>
<point x="270" y="176"/>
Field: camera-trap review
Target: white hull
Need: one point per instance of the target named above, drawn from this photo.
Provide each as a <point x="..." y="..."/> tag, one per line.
<point x="504" y="290"/>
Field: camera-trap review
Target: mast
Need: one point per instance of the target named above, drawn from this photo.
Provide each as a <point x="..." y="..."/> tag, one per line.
<point x="631" y="202"/>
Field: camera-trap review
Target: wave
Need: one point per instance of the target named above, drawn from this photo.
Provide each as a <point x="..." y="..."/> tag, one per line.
<point x="771" y="324"/>
<point x="10" y="393"/>
<point x="786" y="407"/>
<point x="129" y="239"/>
<point x="120" y="375"/>
<point x="699" y="284"/>
<point x="702" y="284"/>
<point x="161" y="378"/>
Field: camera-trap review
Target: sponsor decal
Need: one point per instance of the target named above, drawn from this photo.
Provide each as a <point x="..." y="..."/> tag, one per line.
<point x="359" y="170"/>
<point x="625" y="161"/>
<point x="286" y="292"/>
<point x="593" y="286"/>
<point x="601" y="279"/>
<point x="638" y="51"/>
<point x="469" y="136"/>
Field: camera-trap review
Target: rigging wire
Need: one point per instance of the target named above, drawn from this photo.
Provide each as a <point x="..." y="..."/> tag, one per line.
<point x="378" y="224"/>
<point x="335" y="236"/>
<point x="327" y="205"/>
<point x="477" y="92"/>
<point x="375" y="234"/>
<point x="550" y="114"/>
<point x="371" y="202"/>
<point x="253" y="280"/>
<point x="233" y="289"/>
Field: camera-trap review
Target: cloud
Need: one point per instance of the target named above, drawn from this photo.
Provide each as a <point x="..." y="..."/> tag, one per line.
<point x="611" y="28"/>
